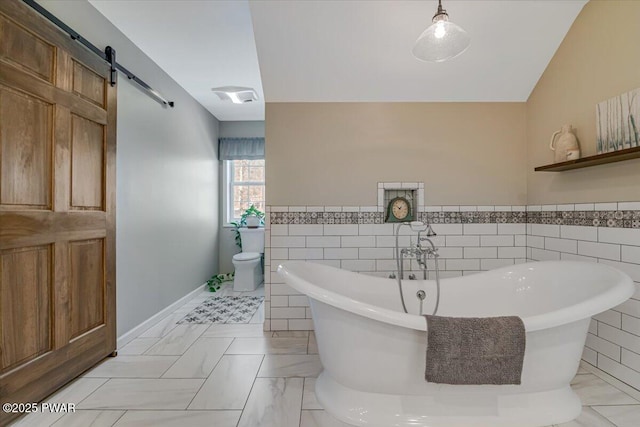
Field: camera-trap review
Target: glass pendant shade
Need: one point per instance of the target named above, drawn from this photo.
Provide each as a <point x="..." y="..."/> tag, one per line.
<point x="441" y="41"/>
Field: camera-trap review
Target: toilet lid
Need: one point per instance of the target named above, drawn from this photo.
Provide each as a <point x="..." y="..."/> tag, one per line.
<point x="246" y="256"/>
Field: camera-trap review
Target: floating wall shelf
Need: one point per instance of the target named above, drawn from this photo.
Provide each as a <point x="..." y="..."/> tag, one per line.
<point x="599" y="159"/>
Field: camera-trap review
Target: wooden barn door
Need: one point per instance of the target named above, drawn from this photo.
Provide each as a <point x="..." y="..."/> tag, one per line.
<point x="57" y="207"/>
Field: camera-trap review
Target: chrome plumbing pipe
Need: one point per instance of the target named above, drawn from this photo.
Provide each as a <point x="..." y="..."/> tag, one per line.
<point x="421" y="255"/>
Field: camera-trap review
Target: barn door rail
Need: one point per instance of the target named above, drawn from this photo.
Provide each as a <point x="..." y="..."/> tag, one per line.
<point x="109" y="55"/>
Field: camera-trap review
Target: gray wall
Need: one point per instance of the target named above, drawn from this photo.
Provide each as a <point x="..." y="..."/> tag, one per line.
<point x="245" y="129"/>
<point x="227" y="245"/>
<point x="167" y="172"/>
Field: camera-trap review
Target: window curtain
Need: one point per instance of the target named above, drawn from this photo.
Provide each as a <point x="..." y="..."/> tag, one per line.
<point x="241" y="148"/>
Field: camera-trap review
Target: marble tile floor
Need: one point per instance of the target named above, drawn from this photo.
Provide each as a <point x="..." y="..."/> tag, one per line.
<point x="232" y="375"/>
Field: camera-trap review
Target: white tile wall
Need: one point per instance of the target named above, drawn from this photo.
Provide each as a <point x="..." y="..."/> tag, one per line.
<point x="368" y="248"/>
<point x="610" y="317"/>
<point x="547" y="230"/>
<point x="498" y="240"/>
<point x="480" y="229"/>
<point x="577" y="232"/>
<point x="621" y="236"/>
<point x="480" y="252"/>
<point x="323" y="242"/>
<point x="599" y="250"/>
<point x="613" y="342"/>
<point x="561" y="245"/>
<point x="631" y="254"/>
<point x="341" y="229"/>
<point x="462" y="241"/>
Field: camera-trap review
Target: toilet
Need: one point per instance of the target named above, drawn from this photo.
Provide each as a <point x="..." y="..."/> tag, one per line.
<point x="248" y="263"/>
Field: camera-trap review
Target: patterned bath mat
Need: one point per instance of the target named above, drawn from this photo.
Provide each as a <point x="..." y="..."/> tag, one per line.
<point x="224" y="310"/>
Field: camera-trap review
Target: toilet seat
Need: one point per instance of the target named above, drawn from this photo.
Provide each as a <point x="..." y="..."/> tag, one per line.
<point x="247" y="256"/>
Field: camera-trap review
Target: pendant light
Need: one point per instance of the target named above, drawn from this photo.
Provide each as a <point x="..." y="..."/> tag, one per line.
<point x="443" y="40"/>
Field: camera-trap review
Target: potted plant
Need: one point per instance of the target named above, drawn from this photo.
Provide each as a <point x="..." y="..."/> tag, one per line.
<point x="253" y="221"/>
<point x="252" y="218"/>
<point x="216" y="281"/>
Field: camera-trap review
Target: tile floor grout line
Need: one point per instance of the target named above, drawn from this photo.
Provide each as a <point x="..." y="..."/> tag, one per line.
<point x="205" y="380"/>
<point x="599" y="374"/>
<point x="119" y="418"/>
<point x="250" y="390"/>
<point x="304" y="383"/>
<point x="120" y="351"/>
<point x="615" y="404"/>
<point x="299" y="376"/>
<point x="161" y="336"/>
<point x="144" y="378"/>
<point x="176" y="361"/>
<point x="180" y="357"/>
<point x="603" y="416"/>
<point x="159" y="409"/>
<point x="99" y="387"/>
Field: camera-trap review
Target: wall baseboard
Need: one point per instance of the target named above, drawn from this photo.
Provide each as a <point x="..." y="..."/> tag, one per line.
<point x="132" y="334"/>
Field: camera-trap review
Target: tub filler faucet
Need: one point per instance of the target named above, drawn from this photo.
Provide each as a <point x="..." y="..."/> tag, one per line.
<point x="421" y="253"/>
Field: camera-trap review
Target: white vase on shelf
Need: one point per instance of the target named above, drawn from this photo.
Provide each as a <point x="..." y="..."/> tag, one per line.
<point x="566" y="147"/>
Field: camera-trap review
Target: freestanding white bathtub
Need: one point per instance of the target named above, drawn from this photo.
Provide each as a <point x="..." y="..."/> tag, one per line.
<point x="373" y="353"/>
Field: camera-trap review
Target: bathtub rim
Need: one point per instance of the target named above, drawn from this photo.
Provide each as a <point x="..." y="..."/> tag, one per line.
<point x="615" y="295"/>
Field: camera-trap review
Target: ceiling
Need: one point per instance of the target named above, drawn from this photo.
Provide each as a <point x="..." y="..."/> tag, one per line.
<point x="342" y="51"/>
<point x="200" y="44"/>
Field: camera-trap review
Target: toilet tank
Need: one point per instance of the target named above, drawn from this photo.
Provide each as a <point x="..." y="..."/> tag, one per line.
<point x="252" y="239"/>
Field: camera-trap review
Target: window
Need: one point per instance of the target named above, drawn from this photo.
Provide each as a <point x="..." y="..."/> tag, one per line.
<point x="243" y="187"/>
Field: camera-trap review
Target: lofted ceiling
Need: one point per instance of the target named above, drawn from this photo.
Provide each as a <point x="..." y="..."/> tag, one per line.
<point x="342" y="51"/>
<point x="200" y="44"/>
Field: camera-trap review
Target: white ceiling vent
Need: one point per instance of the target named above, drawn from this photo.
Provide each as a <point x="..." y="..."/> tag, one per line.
<point x="236" y="94"/>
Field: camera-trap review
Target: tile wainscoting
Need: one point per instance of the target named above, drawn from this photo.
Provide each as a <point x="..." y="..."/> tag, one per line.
<point x="471" y="239"/>
<point x="610" y="235"/>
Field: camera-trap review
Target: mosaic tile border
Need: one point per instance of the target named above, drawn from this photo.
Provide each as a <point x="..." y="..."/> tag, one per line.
<point x="617" y="219"/>
<point x="327" y="218"/>
<point x="491" y="217"/>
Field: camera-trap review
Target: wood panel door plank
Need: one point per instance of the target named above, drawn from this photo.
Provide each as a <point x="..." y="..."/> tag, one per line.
<point x="64" y="63"/>
<point x="25" y="315"/>
<point x="34" y="23"/>
<point x="26" y="140"/>
<point x="61" y="296"/>
<point x="86" y="285"/>
<point x="26" y="50"/>
<point x="88" y="84"/>
<point x="29" y="84"/>
<point x="110" y="207"/>
<point x="57" y="373"/>
<point x="62" y="164"/>
<point x="87" y="164"/>
<point x="36" y="228"/>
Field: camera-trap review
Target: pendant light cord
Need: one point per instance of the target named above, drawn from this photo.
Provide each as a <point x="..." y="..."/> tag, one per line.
<point x="440" y="11"/>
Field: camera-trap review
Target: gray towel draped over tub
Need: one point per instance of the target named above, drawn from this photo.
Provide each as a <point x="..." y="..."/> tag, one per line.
<point x="475" y="350"/>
